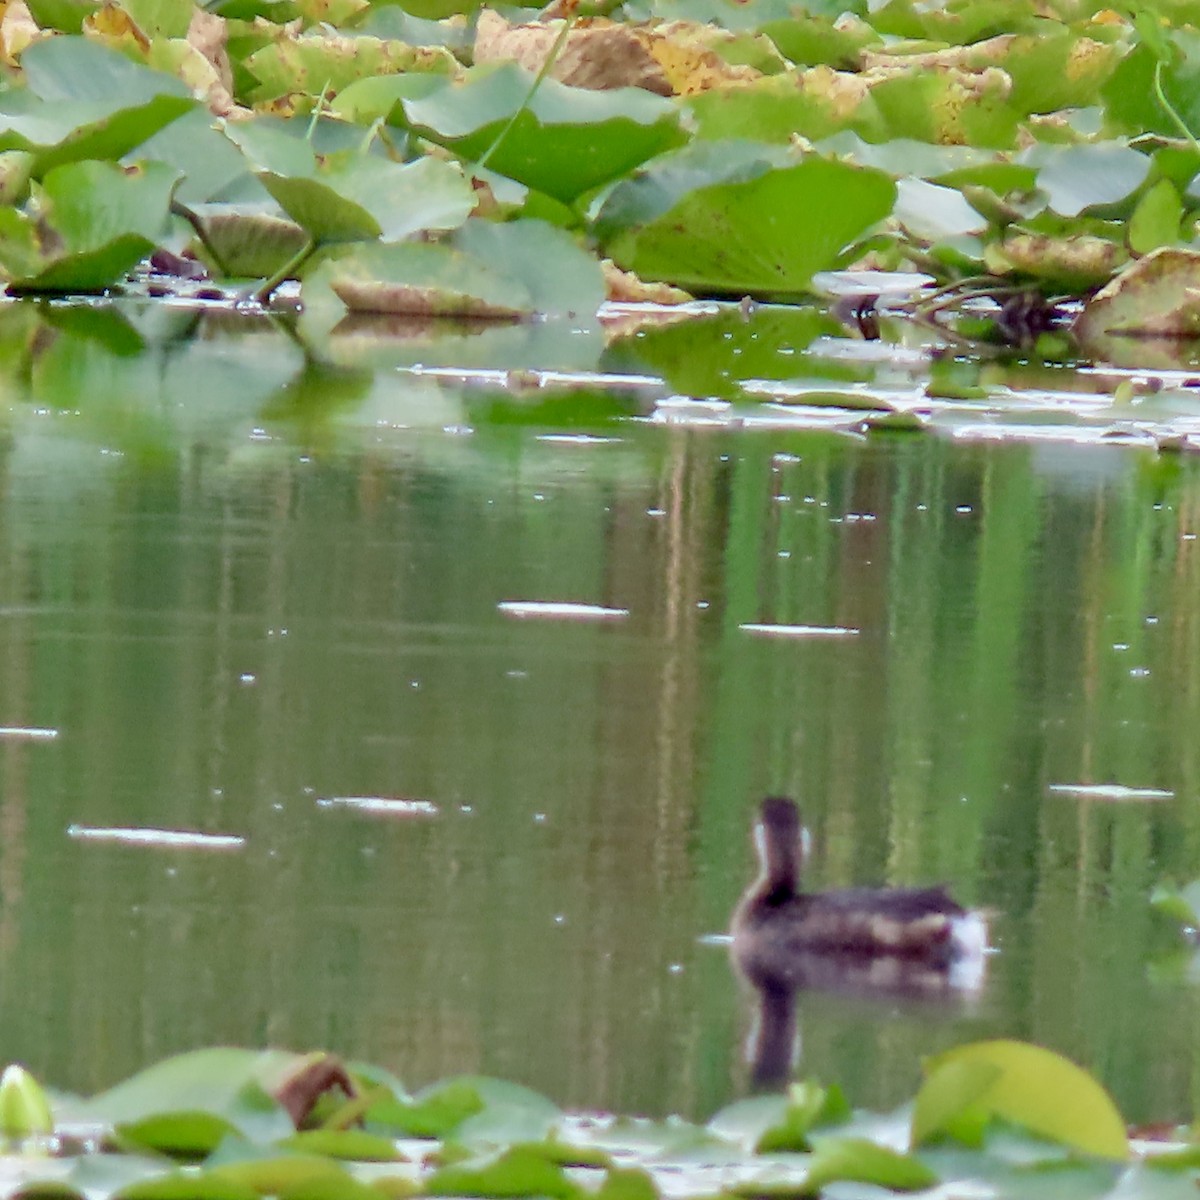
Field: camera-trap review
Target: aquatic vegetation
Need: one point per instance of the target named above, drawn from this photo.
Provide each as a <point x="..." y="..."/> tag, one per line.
<point x="1005" y="1117"/>
<point x="1004" y="151"/>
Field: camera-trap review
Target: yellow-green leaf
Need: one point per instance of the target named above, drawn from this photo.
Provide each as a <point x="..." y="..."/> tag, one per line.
<point x="1033" y="1087"/>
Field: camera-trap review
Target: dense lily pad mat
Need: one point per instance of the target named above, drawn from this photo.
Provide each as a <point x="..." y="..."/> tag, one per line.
<point x="1019" y="151"/>
<point x="224" y="1124"/>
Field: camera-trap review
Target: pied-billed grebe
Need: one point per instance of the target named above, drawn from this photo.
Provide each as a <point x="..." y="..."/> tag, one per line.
<point x="778" y="930"/>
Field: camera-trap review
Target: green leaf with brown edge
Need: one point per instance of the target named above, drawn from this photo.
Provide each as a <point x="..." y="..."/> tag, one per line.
<point x="1035" y="1088"/>
<point x="1069" y="264"/>
<point x="247" y="244"/>
<point x="315" y="62"/>
<point x="948" y="107"/>
<point x="766" y="236"/>
<point x="488" y="270"/>
<point x="1153" y="297"/>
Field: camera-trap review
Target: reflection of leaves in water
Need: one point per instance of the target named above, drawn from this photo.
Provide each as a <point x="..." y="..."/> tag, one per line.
<point x="713" y="355"/>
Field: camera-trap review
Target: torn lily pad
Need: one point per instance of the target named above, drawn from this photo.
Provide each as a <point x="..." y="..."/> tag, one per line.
<point x="1157" y="296"/>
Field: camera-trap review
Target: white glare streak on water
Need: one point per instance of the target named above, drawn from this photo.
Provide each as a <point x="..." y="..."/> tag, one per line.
<point x="381" y="806"/>
<point x="24" y="733"/>
<point x="171" y="839"/>
<point x="1109" y="791"/>
<point x="553" y="610"/>
<point x="799" y="631"/>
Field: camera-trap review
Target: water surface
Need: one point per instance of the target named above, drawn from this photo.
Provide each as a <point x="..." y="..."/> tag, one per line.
<point x="247" y="596"/>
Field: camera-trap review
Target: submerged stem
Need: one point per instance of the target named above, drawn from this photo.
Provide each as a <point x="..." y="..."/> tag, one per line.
<point x="264" y="291"/>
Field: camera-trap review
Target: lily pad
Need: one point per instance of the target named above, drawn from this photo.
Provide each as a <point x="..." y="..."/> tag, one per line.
<point x="765" y="231"/>
<point x="360" y="198"/>
<point x="103" y="218"/>
<point x="1028" y="1085"/>
<point x="562" y="141"/>
<point x="189" y="1103"/>
<point x="521" y="1171"/>
<point x="486" y="270"/>
<point x="1157" y="296"/>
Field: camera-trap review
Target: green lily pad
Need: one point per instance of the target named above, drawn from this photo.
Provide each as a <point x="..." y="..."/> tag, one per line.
<point x="441" y="1108"/>
<point x="104" y="220"/>
<point x="1077" y="178"/>
<point x="521" y="1171"/>
<point x="354" y="198"/>
<point x="863" y="1161"/>
<point x="1156" y="220"/>
<point x="563" y="141"/>
<point x="189" y="1103"/>
<point x="741" y="227"/>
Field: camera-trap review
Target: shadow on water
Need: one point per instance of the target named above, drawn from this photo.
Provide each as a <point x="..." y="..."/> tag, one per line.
<point x="239" y="582"/>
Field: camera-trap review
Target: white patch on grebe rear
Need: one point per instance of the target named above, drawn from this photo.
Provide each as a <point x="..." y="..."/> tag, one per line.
<point x="969" y="942"/>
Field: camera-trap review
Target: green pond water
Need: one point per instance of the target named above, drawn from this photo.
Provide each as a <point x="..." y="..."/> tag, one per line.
<point x="239" y="586"/>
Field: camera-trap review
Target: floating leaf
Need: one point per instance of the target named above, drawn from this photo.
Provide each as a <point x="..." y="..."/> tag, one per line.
<point x="521" y="1171"/>
<point x="1076" y="178"/>
<point x="1033" y="1087"/>
<point x="1158" y="296"/>
<point x="102" y="221"/>
<point x="1155" y="221"/>
<point x="86" y="101"/>
<point x="564" y="141"/>
<point x="203" y="1185"/>
<point x="863" y="1161"/>
<point x="313" y="62"/>
<point x="766" y="234"/>
<point x="485" y="270"/>
<point x="950" y="1102"/>
<point x="440" y="1109"/>
<point x="351" y="1144"/>
<point x="188" y="1103"/>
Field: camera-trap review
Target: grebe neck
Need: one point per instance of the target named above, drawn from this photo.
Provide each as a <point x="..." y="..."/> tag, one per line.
<point x="779" y="864"/>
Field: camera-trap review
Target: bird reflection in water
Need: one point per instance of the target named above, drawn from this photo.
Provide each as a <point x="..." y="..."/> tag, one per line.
<point x="894" y="943"/>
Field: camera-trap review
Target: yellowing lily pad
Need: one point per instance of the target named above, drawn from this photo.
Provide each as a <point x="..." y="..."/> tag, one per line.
<point x="1157" y="296"/>
<point x="1027" y="1085"/>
